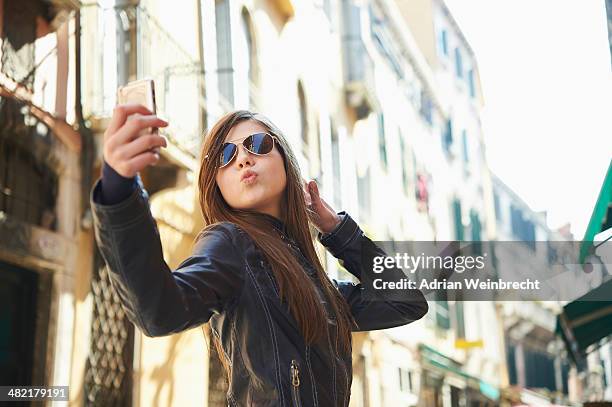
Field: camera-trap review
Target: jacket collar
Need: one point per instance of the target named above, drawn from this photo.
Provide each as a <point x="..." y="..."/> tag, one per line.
<point x="281" y="227"/>
<point x="276" y="222"/>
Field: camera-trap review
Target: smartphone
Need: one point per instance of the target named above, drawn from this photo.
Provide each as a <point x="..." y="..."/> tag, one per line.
<point x="142" y="92"/>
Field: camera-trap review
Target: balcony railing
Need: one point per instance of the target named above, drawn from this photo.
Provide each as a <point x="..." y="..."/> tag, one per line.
<point x="178" y="78"/>
<point x="158" y="55"/>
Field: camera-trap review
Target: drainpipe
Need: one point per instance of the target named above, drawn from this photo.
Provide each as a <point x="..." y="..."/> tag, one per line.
<point x="203" y="116"/>
<point x="87" y="142"/>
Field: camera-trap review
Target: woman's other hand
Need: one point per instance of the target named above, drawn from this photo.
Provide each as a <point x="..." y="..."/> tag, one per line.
<point x="125" y="149"/>
<point x="320" y="213"/>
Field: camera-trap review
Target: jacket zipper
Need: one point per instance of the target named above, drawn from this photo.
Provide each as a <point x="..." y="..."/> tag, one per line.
<point x="294" y="367"/>
<point x="295" y="383"/>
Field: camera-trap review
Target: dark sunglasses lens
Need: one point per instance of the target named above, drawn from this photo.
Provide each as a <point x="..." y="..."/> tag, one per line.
<point x="227" y="153"/>
<point x="259" y="143"/>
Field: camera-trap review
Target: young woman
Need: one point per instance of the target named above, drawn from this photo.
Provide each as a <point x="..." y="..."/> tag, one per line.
<point x="281" y="326"/>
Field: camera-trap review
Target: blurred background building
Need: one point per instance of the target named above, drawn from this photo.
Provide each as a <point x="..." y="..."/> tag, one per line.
<point x="609" y="14"/>
<point x="381" y="100"/>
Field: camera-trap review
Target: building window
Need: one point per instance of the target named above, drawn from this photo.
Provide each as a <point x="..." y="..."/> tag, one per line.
<point x="28" y="188"/>
<point x="327" y="9"/>
<point x="471" y="83"/>
<point x="335" y="145"/>
<point x="405" y="169"/>
<point x="383" y="39"/>
<point x="28" y="184"/>
<point x="303" y="118"/>
<point x="225" y="70"/>
<point x="319" y="155"/>
<point x="444" y="42"/>
<point x="250" y="44"/>
<point x="458" y="219"/>
<point x="464" y="141"/>
<point x="534" y="368"/>
<point x="476" y="228"/>
<point x="447" y="136"/>
<point x="522" y="228"/>
<point x="364" y="193"/>
<point x="405" y="380"/>
<point x="459" y="319"/>
<point x="458" y="63"/>
<point x="456" y="397"/>
<point x="247" y="62"/>
<point x="498" y="212"/>
<point x="426" y="107"/>
<point x="442" y="313"/>
<point x="382" y="144"/>
<point x="553" y="254"/>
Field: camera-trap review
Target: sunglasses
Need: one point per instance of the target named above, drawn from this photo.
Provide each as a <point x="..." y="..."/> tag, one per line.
<point x="257" y="143"/>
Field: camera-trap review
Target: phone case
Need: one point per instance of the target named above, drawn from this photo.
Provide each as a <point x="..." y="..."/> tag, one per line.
<point x="141" y="91"/>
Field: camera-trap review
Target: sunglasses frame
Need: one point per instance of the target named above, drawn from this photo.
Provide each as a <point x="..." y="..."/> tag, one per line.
<point x="274" y="140"/>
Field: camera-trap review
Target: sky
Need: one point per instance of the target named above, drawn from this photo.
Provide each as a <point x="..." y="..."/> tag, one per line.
<point x="547" y="84"/>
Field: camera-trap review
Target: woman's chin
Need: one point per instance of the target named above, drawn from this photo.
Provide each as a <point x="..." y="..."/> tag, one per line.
<point x="252" y="204"/>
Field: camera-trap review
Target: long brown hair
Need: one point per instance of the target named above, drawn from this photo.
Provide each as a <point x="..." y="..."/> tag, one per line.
<point x="296" y="288"/>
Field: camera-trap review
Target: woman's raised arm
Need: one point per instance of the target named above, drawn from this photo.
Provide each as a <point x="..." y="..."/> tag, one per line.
<point x="159" y="301"/>
<point x="156" y="299"/>
<point x="352" y="247"/>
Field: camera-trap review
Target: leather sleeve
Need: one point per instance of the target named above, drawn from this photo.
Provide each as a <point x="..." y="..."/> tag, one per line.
<point x="349" y="244"/>
<point x="158" y="300"/>
<point x="376" y="314"/>
<point x="115" y="187"/>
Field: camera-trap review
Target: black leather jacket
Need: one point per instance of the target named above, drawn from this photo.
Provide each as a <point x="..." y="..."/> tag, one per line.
<point x="227" y="282"/>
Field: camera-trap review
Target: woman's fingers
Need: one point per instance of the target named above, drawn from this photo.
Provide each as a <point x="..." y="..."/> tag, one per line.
<point x="140" y="145"/>
<point x="126" y="148"/>
<point x="317" y="197"/>
<point x="324" y="202"/>
<point x="307" y="197"/>
<point x="314" y="190"/>
<point x="121" y="113"/>
<point x="133" y="127"/>
<point x="139" y="162"/>
<point x="321" y="214"/>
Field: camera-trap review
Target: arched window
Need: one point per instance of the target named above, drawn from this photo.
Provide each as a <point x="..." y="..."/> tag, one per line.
<point x="247" y="28"/>
<point x="225" y="69"/>
<point x="336" y="179"/>
<point x="303" y="118"/>
<point x="246" y="63"/>
<point x="319" y="143"/>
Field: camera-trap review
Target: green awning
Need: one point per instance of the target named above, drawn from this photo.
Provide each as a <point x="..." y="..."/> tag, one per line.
<point x="431" y="357"/>
<point x="601" y="218"/>
<point x="441" y="361"/>
<point x="489" y="390"/>
<point x="586" y="320"/>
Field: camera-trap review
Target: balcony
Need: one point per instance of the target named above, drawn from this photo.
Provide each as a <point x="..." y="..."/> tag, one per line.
<point x="358" y="66"/>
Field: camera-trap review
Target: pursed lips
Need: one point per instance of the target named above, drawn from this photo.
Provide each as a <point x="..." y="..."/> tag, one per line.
<point x="248" y="176"/>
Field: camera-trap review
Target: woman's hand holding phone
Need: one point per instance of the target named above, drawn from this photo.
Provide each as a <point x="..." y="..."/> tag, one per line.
<point x="125" y="149"/>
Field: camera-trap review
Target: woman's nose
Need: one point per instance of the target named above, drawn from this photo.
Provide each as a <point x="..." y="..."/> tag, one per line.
<point x="243" y="155"/>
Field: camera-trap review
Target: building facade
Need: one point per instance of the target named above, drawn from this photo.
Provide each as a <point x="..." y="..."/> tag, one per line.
<point x="381" y="102"/>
